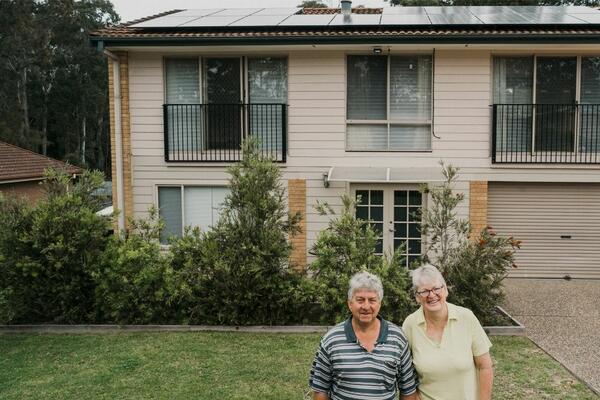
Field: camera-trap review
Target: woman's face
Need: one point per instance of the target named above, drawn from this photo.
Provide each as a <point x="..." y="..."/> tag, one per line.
<point x="432" y="296"/>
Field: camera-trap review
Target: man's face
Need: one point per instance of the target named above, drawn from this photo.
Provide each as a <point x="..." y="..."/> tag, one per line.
<point x="364" y="306"/>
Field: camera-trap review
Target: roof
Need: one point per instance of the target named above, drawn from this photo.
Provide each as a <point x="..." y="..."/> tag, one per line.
<point x="392" y="24"/>
<point x="18" y="164"/>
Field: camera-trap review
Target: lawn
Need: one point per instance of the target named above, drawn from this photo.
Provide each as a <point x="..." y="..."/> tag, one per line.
<point x="220" y="366"/>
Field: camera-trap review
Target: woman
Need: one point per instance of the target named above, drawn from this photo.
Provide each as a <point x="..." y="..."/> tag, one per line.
<point x="449" y="347"/>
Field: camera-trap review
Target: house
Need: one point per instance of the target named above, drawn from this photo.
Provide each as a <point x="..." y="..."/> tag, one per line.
<point x="367" y="101"/>
<point x="21" y="171"/>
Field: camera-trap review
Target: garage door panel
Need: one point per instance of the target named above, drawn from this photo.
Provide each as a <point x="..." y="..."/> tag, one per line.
<point x="538" y="214"/>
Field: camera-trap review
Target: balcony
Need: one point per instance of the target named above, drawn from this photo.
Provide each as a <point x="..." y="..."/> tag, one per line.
<point x="546" y="133"/>
<point x="214" y="132"/>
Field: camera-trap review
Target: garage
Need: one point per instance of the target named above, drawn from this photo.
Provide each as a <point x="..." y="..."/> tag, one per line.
<point x="558" y="224"/>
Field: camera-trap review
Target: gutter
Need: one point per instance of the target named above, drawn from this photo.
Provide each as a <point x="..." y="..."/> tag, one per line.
<point x="118" y="139"/>
<point x="102" y="42"/>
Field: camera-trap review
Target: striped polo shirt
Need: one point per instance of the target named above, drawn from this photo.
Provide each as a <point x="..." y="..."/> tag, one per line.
<point x="347" y="371"/>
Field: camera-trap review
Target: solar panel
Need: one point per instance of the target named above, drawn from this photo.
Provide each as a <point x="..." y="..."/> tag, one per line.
<point x="197" y="12"/>
<point x="259" y="20"/>
<point x="278" y="11"/>
<point x="590" y="18"/>
<point x="454" y="19"/>
<point x="356" y="19"/>
<point x="397" y="19"/>
<point x="164" y="22"/>
<point x="308" y="19"/>
<point x="239" y="12"/>
<point x="211" y="21"/>
<point x="404" y="11"/>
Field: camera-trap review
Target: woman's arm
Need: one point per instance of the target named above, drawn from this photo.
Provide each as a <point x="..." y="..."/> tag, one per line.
<point x="483" y="363"/>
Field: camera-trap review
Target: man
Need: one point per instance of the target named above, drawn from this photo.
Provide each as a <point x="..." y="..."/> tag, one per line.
<point x="364" y="357"/>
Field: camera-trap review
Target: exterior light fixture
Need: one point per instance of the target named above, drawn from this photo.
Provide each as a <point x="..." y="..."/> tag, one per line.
<point x="377" y="50"/>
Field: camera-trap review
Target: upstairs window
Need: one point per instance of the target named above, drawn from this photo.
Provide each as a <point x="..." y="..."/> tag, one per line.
<point x="388" y="103"/>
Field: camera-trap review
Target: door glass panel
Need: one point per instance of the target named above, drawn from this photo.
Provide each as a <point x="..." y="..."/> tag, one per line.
<point x="371" y="209"/>
<point x="223" y="98"/>
<point x="555" y="98"/>
<point x="407" y="223"/>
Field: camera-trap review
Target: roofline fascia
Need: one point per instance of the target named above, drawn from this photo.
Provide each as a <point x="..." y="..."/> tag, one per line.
<point x="104" y="42"/>
<point x="21" y="180"/>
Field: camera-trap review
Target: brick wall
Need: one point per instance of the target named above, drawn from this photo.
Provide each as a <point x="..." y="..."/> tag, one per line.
<point x="297" y="203"/>
<point x="478" y="206"/>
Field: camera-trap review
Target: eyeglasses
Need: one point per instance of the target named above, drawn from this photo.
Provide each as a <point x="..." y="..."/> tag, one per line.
<point x="427" y="292"/>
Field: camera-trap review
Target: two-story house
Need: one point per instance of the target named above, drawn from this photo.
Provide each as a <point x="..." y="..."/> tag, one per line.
<point x="367" y="102"/>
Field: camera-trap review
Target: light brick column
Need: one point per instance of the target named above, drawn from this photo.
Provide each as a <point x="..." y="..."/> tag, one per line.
<point x="478" y="206"/>
<point x="126" y="133"/>
<point x="297" y="203"/>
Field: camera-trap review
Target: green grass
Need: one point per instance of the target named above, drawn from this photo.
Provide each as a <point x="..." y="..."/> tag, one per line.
<point x="220" y="366"/>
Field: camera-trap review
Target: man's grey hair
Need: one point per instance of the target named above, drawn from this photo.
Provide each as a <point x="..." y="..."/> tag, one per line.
<point x="426" y="274"/>
<point x="365" y="281"/>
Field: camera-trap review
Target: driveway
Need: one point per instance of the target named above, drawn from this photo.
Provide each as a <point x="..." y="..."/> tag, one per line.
<point x="563" y="318"/>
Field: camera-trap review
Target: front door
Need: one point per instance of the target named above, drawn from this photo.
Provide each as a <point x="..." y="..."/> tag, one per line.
<point x="394" y="213"/>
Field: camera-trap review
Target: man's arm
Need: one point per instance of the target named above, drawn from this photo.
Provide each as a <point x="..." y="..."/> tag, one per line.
<point x="483" y="363"/>
<point x="320" y="396"/>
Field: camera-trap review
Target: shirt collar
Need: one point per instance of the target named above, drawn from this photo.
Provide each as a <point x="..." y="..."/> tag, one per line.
<point x="351" y="336"/>
<point x="452" y="313"/>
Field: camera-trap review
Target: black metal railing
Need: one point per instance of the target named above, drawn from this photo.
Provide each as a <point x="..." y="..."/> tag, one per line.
<point x="214" y="132"/>
<point x="546" y="133"/>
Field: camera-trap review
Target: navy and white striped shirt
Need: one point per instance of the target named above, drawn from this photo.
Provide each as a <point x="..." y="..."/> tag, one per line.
<point x="347" y="371"/>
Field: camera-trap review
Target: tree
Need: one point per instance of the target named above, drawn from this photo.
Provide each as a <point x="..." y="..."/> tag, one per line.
<point x="55" y="98"/>
<point x="312" y="4"/>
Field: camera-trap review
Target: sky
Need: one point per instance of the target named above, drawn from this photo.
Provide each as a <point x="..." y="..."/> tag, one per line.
<point x="134" y="9"/>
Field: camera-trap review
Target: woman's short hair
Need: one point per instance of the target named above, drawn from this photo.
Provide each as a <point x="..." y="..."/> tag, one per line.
<point x="426" y="274"/>
<point x="365" y="281"/>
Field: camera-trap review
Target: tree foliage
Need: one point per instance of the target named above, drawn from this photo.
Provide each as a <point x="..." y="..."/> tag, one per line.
<point x="473" y="267"/>
<point x="312" y="4"/>
<point x="48" y="252"/>
<point x="53" y="95"/>
<point x="345" y="247"/>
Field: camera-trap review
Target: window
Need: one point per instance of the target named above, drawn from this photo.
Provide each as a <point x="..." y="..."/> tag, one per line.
<point x="539" y="106"/>
<point x="181" y="206"/>
<point x="210" y="106"/>
<point x="388" y="103"/>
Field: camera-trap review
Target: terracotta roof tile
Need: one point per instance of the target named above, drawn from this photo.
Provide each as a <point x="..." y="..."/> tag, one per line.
<point x="17" y="164"/>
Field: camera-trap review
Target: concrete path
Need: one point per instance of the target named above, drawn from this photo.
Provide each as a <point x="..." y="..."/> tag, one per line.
<point x="563" y="318"/>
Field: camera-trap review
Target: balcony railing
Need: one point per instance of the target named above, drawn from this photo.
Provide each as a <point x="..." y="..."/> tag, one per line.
<point x="214" y="132"/>
<point x="546" y="133"/>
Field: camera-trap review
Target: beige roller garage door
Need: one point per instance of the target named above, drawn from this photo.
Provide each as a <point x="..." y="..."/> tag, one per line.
<point x="558" y="224"/>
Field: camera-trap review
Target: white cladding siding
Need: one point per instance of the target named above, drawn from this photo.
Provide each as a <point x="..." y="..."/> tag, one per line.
<point x="538" y="214"/>
<point x="317" y="129"/>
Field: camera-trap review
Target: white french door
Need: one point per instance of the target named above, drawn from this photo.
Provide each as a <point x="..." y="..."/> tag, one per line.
<point x="395" y="214"/>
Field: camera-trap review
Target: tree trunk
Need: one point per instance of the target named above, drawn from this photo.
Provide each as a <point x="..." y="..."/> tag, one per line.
<point x="24" y="107"/>
<point x="84" y="134"/>
<point x="45" y="126"/>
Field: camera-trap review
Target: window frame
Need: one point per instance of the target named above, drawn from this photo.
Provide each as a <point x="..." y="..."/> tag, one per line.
<point x="389" y="122"/>
<point x="181" y="187"/>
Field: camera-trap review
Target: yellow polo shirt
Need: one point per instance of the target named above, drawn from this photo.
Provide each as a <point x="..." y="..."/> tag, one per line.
<point x="447" y="370"/>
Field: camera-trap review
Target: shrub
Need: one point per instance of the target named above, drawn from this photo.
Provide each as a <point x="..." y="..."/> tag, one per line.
<point x="245" y="257"/>
<point x="345" y="247"/>
<point x="131" y="283"/>
<point x="473" y="268"/>
<point x="48" y="251"/>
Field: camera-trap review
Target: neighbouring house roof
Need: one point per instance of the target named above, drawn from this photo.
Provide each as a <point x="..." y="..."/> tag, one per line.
<point x="366" y="25"/>
<point x="18" y="164"/>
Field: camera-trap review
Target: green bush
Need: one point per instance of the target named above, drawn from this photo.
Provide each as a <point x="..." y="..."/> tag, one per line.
<point x="49" y="251"/>
<point x="345" y="247"/>
<point x="474" y="268"/>
<point x="131" y="283"/>
<point x="246" y="255"/>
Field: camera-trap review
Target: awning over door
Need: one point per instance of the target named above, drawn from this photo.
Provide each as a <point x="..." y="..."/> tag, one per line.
<point x="384" y="175"/>
<point x="557" y="223"/>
